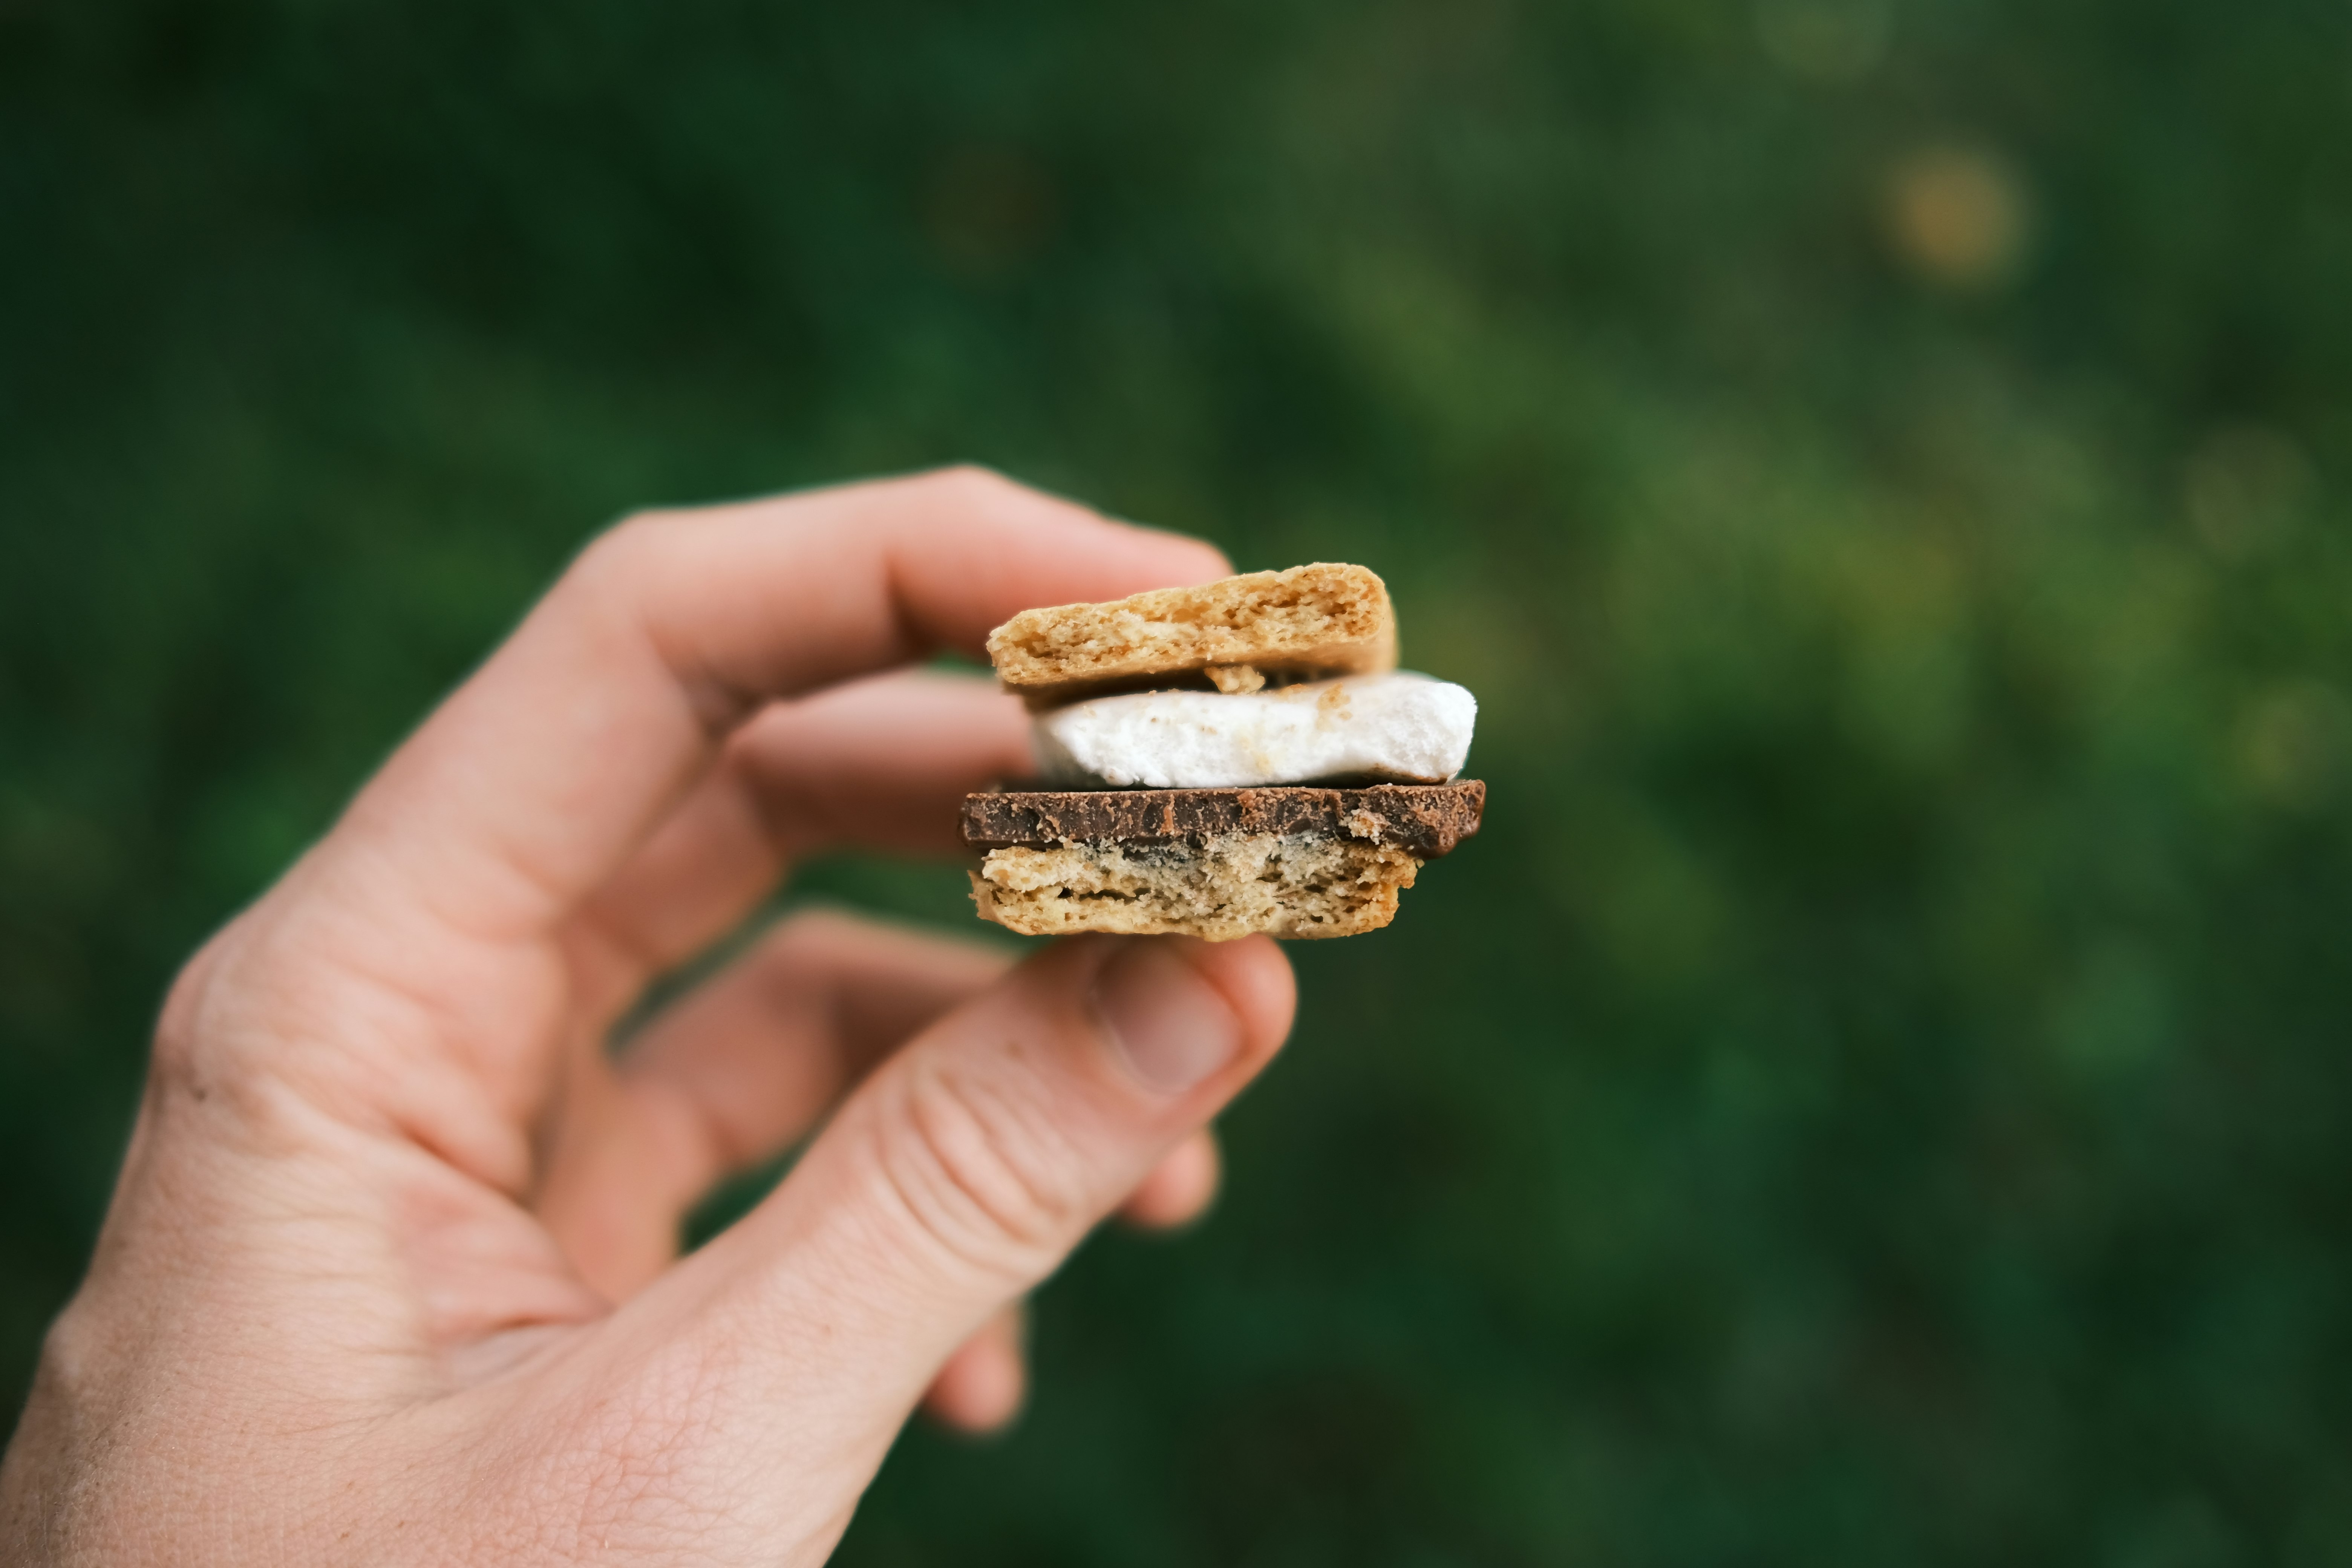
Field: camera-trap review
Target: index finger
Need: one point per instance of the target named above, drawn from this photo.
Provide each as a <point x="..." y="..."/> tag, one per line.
<point x="533" y="781"/>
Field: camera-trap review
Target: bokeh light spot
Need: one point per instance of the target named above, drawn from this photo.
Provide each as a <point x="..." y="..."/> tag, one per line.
<point x="1957" y="216"/>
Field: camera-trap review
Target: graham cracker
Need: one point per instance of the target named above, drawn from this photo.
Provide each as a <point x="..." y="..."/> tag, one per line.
<point x="1325" y="618"/>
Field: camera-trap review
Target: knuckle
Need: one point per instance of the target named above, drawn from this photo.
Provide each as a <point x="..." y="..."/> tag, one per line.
<point x="985" y="1172"/>
<point x="184" y="1048"/>
<point x="814" y="934"/>
<point x="175" y="1031"/>
<point x="634" y="581"/>
<point x="234" y="1038"/>
<point x="805" y="951"/>
<point x="638" y="557"/>
<point x="624" y="552"/>
<point x="71" y="1355"/>
<point x="971" y="485"/>
<point x="647" y="528"/>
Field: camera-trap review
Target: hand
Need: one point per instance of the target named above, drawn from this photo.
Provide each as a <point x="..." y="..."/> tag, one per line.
<point x="389" y="1274"/>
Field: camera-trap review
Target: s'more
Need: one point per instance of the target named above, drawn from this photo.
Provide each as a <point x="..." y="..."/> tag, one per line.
<point x="1236" y="757"/>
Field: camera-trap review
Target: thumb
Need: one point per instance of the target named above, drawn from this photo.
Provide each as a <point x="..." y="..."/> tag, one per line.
<point x="970" y="1165"/>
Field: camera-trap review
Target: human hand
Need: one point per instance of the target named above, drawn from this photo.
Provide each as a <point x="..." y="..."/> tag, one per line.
<point x="390" y="1273"/>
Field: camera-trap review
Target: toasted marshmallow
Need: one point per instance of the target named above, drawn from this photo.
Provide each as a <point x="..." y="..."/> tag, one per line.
<point x="1406" y="728"/>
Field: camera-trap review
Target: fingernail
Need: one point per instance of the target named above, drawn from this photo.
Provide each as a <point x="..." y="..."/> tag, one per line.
<point x="1171" y="1028"/>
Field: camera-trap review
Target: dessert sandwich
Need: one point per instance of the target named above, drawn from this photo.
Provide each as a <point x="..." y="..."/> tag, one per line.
<point x="1236" y="757"/>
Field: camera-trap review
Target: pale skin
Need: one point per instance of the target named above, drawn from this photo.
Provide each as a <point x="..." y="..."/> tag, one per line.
<point x="392" y="1273"/>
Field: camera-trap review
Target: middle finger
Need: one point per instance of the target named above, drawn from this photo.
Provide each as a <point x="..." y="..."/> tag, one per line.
<point x="877" y="763"/>
<point x="731" y="1074"/>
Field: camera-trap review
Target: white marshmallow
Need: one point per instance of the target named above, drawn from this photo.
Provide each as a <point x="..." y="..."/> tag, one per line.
<point x="1401" y="727"/>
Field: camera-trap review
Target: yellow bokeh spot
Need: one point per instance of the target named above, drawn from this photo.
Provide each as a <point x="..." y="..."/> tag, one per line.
<point x="1956" y="216"/>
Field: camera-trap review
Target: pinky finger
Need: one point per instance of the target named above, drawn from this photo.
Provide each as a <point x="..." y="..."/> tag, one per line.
<point x="1180" y="1188"/>
<point x="982" y="1387"/>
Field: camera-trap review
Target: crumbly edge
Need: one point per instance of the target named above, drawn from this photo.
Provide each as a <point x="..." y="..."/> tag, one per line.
<point x="1428" y="821"/>
<point x="1227" y="886"/>
<point x="1323" y="617"/>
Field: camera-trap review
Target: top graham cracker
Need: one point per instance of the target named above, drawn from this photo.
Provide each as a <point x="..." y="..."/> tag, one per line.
<point x="1319" y="619"/>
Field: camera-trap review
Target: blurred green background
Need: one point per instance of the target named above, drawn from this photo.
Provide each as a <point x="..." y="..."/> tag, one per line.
<point x="1878" y="1091"/>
